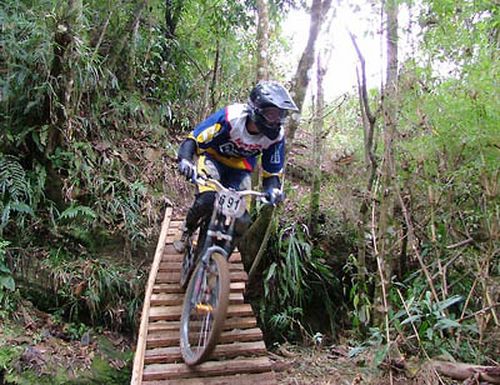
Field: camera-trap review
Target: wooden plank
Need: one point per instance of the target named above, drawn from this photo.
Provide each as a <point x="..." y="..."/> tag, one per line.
<point x="236" y="266"/>
<point x="163" y="339"/>
<point x="163" y="326"/>
<point x="172" y="257"/>
<point x="167" y="288"/>
<point x="207" y="369"/>
<point x="175" y="266"/>
<point x="173" y="354"/>
<point x="177" y="222"/>
<point x="175" y="276"/>
<point x="169" y="248"/>
<point x="235" y="257"/>
<point x="137" y="370"/>
<point x="175" y="288"/>
<point x="173" y="313"/>
<point x="166" y="299"/>
<point x="230" y="323"/>
<point x="171" y="238"/>
<point x="171" y="338"/>
<point x="161" y="299"/>
<point x="238" y="286"/>
<point x="170" y="266"/>
<point x="268" y="378"/>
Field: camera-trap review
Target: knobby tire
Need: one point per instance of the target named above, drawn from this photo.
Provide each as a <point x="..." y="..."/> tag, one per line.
<point x="206" y="328"/>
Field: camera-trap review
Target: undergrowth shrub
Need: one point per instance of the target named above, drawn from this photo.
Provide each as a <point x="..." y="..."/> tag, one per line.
<point x="300" y="289"/>
<point x="95" y="291"/>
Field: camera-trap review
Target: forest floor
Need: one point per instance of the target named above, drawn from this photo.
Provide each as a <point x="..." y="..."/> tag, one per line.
<point x="296" y="365"/>
<point x="37" y="349"/>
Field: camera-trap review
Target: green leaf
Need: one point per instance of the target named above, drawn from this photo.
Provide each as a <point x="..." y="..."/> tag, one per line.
<point x="7" y="282"/>
<point x="446" y="323"/>
<point x="449" y="301"/>
<point x="411" y="319"/>
<point x="380" y="355"/>
<point x="355" y="351"/>
<point x="270" y="272"/>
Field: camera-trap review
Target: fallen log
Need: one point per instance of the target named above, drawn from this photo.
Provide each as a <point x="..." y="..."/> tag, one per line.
<point x="462" y="371"/>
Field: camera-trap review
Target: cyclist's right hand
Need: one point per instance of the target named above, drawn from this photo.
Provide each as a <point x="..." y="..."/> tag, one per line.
<point x="274" y="196"/>
<point x="187" y="168"/>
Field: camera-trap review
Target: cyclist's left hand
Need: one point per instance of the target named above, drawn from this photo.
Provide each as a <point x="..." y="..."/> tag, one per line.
<point x="275" y="196"/>
<point x="187" y="168"/>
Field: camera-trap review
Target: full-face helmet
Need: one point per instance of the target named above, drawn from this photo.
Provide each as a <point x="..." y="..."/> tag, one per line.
<point x="269" y="104"/>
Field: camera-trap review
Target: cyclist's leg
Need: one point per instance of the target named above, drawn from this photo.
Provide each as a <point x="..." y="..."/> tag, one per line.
<point x="202" y="205"/>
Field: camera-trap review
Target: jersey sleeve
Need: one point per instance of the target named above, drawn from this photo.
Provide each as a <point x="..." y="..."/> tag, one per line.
<point x="205" y="132"/>
<point x="273" y="160"/>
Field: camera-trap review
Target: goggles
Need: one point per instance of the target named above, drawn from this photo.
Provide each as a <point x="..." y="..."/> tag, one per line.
<point x="272" y="114"/>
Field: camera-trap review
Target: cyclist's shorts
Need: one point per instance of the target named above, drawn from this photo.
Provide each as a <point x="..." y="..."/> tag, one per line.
<point x="229" y="177"/>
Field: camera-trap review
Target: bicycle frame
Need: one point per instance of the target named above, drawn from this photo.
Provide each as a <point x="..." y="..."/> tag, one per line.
<point x="220" y="230"/>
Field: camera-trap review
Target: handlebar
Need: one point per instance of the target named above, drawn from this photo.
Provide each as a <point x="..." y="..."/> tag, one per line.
<point x="203" y="181"/>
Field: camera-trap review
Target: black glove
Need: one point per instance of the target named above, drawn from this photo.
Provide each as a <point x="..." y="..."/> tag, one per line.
<point x="274" y="196"/>
<point x="187" y="168"/>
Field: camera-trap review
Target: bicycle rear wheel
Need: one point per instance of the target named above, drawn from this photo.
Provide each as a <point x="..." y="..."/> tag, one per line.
<point x="204" y="310"/>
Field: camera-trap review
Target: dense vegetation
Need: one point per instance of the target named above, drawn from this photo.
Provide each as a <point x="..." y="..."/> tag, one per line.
<point x="404" y="252"/>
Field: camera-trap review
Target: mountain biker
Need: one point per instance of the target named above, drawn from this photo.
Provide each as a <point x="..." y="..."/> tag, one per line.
<point x="227" y="144"/>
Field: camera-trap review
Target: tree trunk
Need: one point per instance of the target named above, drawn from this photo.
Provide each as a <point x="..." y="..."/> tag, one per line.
<point x="58" y="112"/>
<point x="301" y="79"/>
<point x="126" y="34"/>
<point x="215" y="77"/>
<point x="63" y="75"/>
<point x="173" y="9"/>
<point x="369" y="120"/>
<point x="389" y="108"/>
<point x="318" y="138"/>
<point x="461" y="371"/>
<point x="262" y="40"/>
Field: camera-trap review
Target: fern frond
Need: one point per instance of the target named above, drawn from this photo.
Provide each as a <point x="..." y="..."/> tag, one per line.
<point x="75" y="211"/>
<point x="13" y="181"/>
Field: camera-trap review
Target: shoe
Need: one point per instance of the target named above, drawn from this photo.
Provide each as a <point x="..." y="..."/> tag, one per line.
<point x="181" y="244"/>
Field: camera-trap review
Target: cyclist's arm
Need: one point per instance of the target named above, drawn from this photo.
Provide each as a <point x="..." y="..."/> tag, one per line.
<point x="273" y="160"/>
<point x="187" y="150"/>
<point x="207" y="131"/>
<point x="202" y="135"/>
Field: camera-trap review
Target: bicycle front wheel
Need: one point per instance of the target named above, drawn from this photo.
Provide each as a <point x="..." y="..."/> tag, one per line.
<point x="204" y="310"/>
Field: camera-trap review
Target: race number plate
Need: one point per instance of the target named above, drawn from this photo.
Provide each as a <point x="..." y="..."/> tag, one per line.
<point x="231" y="204"/>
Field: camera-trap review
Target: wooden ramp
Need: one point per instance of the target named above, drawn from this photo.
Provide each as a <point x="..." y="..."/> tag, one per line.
<point x="240" y="357"/>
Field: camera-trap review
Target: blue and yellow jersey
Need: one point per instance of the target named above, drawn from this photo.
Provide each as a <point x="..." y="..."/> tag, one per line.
<point x="224" y="137"/>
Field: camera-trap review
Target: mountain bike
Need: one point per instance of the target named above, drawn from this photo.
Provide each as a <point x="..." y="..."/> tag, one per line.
<point x="205" y="272"/>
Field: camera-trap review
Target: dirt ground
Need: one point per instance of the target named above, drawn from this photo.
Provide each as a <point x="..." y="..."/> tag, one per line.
<point x="296" y="365"/>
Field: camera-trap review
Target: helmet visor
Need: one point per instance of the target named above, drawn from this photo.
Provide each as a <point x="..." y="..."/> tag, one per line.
<point x="273" y="115"/>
